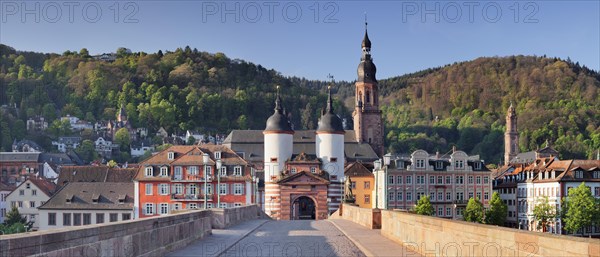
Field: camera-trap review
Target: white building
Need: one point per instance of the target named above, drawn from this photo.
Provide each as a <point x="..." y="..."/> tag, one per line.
<point x="85" y="203"/>
<point x="29" y="195"/>
<point x="4" y="205"/>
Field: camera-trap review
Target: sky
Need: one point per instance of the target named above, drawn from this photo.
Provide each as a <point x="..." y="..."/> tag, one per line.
<point x="312" y="39"/>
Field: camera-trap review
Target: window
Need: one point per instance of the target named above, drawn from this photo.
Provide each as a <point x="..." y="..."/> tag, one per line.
<point x="148" y="171"/>
<point x="440" y="196"/>
<point x="27" y="185"/>
<point x="459" y="179"/>
<point x="367" y="199"/>
<point x="207" y="171"/>
<point x="99" y="218"/>
<point x="448" y="196"/>
<point x="459" y="196"/>
<point x="163" y="189"/>
<point x="149" y="209"/>
<point x="398" y="180"/>
<point x="192" y="170"/>
<point x="20" y="204"/>
<point x="596" y="174"/>
<point x="431" y="180"/>
<point x="448" y="211"/>
<point x="22" y="192"/>
<point x="333" y="159"/>
<point x="408" y="180"/>
<point x="367" y="184"/>
<point x="125" y="216"/>
<point x="470" y="179"/>
<point x="178" y="173"/>
<point x="176" y="206"/>
<point x="478" y="196"/>
<point x="237" y="170"/>
<point x="164" y="171"/>
<point x="164" y="208"/>
<point x="448" y="180"/>
<point x="459" y="211"/>
<point x="32" y="204"/>
<point x="209" y="205"/>
<point x="478" y="180"/>
<point x="409" y="196"/>
<point x="293" y="170"/>
<point x="459" y="164"/>
<point x="237" y="205"/>
<point x="399" y="164"/>
<point x="217" y="155"/>
<point x="66" y="219"/>
<point x="51" y="219"/>
<point x="391" y="196"/>
<point x="33" y="192"/>
<point x="148" y="189"/>
<point x="486" y="180"/>
<point x="223" y="171"/>
<point x="399" y="196"/>
<point x="477" y="165"/>
<point x="390" y="180"/>
<point x="76" y="219"/>
<point x="432" y="196"/>
<point x="439" y="165"/>
<point x="177" y="189"/>
<point x="578" y="174"/>
<point x="596" y="191"/>
<point x="113" y="217"/>
<point x="223" y="205"/>
<point x="470" y="195"/>
<point x="171" y="155"/>
<point x="440" y="180"/>
<point x="87" y="218"/>
<point x="353" y="184"/>
<point x="421" y="179"/>
<point x="192" y="189"/>
<point x="486" y="196"/>
<point x="192" y="206"/>
<point x="420" y="163"/>
<point x="440" y="211"/>
<point x="273" y="159"/>
<point x="313" y="170"/>
<point x="238" y="189"/>
<point x="223" y="189"/>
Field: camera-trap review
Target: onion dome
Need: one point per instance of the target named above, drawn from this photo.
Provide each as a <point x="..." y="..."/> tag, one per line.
<point x="330" y="122"/>
<point x="278" y="121"/>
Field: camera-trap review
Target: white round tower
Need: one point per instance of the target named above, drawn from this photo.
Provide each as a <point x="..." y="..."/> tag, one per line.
<point x="330" y="150"/>
<point x="278" y="146"/>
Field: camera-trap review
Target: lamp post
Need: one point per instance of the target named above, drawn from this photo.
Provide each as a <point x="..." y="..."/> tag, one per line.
<point x="219" y="164"/>
<point x="343" y="189"/>
<point x="255" y="182"/>
<point x="377" y="164"/>
<point x="205" y="159"/>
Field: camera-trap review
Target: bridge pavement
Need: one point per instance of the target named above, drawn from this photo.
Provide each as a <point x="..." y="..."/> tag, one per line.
<point x="293" y="238"/>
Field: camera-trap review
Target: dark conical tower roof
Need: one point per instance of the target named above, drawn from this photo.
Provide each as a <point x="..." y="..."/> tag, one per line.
<point x="366" y="43"/>
<point x="366" y="69"/>
<point x="278" y="121"/>
<point x="330" y="122"/>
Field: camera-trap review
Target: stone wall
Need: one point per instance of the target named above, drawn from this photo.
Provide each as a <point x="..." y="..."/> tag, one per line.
<point x="154" y="236"/>
<point x="370" y="218"/>
<point x="223" y="218"/>
<point x="433" y="236"/>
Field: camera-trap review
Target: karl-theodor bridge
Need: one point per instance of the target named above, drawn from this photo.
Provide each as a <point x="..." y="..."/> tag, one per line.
<point x="246" y="231"/>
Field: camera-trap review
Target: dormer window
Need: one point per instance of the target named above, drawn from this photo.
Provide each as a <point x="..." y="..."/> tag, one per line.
<point x="193" y="170"/>
<point x="27" y="185"/>
<point x="477" y="165"/>
<point x="578" y="174"/>
<point x="218" y="155"/>
<point x="596" y="174"/>
<point x="95" y="199"/>
<point x="223" y="171"/>
<point x="164" y="171"/>
<point x="122" y="199"/>
<point x="69" y="199"/>
<point x="171" y="156"/>
<point x="459" y="164"/>
<point x="237" y="171"/>
<point x="148" y="171"/>
<point x="439" y="165"/>
<point x="399" y="164"/>
<point x="420" y="164"/>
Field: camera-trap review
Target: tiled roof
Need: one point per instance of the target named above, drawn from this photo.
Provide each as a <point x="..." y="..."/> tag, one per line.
<point x="70" y="174"/>
<point x="357" y="169"/>
<point x="18" y="157"/>
<point x="82" y="195"/>
<point x="45" y="186"/>
<point x="5" y="187"/>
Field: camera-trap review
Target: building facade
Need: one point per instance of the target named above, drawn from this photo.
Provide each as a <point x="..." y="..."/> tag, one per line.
<point x="362" y="182"/>
<point x="192" y="177"/>
<point x="4" y="205"/>
<point x="85" y="203"/>
<point x="449" y="180"/>
<point x="30" y="195"/>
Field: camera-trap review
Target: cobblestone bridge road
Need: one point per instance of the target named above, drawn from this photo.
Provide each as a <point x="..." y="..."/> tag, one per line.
<point x="294" y="238"/>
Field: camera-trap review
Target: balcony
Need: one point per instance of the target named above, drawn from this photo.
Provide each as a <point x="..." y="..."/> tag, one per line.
<point x="460" y="202"/>
<point x="191" y="197"/>
<point x="192" y="178"/>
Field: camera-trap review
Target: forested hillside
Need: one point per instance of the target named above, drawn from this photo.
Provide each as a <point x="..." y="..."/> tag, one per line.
<point x="461" y="104"/>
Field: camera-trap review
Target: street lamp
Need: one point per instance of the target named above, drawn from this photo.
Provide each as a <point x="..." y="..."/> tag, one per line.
<point x="219" y="164"/>
<point x="255" y="182"/>
<point x="205" y="159"/>
<point x="343" y="189"/>
<point x="377" y="167"/>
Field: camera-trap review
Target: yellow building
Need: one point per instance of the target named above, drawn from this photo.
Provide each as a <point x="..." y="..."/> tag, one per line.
<point x="362" y="184"/>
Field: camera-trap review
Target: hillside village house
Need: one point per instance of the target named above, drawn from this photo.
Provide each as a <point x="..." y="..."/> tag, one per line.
<point x="4" y="206"/>
<point x="28" y="196"/>
<point x="192" y="177"/>
<point x="85" y="203"/>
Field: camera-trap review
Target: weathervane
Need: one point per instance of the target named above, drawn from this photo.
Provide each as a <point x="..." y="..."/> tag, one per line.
<point x="366" y="20"/>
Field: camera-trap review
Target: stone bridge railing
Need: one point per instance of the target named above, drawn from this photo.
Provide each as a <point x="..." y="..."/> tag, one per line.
<point x="154" y="236"/>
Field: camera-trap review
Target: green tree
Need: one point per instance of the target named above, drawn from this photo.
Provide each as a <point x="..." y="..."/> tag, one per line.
<point x="424" y="206"/>
<point x="13" y="217"/>
<point x="543" y="213"/>
<point x="111" y="163"/>
<point x="84" y="52"/>
<point x="190" y="140"/>
<point x="87" y="151"/>
<point x="474" y="211"/>
<point x="496" y="214"/>
<point x="60" y="128"/>
<point x="581" y="209"/>
<point x="122" y="138"/>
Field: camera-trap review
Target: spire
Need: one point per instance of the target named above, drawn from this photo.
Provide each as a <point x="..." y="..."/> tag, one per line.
<point x="278" y="107"/>
<point x="329" y="100"/>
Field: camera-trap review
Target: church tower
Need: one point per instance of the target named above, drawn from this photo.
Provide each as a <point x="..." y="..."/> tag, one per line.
<point x="278" y="146"/>
<point x="368" y="124"/>
<point x="330" y="150"/>
<point x="511" y="136"/>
